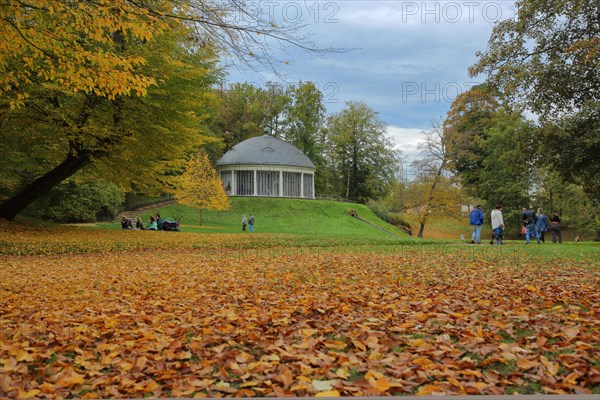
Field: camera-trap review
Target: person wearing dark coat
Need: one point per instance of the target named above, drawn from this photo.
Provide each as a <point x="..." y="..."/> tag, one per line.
<point x="529" y="220"/>
<point x="542" y="225"/>
<point x="555" y="227"/>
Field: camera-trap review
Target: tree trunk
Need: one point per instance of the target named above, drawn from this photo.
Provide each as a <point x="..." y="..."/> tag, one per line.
<point x="430" y="199"/>
<point x="42" y="185"/>
<point x="348" y="184"/>
<point x="421" y="229"/>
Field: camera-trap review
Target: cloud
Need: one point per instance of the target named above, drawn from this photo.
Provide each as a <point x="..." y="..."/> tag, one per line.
<point x="406" y="140"/>
<point x="409" y="61"/>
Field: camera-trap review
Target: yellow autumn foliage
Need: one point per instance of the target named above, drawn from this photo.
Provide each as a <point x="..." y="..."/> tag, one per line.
<point x="200" y="186"/>
<point x="73" y="44"/>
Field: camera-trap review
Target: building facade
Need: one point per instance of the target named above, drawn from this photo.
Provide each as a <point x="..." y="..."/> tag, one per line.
<point x="267" y="166"/>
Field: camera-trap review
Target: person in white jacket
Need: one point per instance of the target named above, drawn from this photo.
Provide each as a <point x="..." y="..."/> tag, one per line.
<point x="497" y="224"/>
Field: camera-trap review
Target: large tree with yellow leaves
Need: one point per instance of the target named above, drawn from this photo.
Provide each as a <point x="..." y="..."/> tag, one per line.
<point x="113" y="87"/>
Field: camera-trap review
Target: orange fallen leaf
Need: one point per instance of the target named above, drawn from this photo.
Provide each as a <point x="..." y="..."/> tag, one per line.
<point x="140" y="363"/>
<point x="245" y="393"/>
<point x="571" y="379"/>
<point x="8" y="365"/>
<point x="381" y="384"/>
<point x="455" y="382"/>
<point x="342" y="373"/>
<point x="471" y="372"/>
<point x="29" y="394"/>
<point x="300" y="386"/>
<point x="151" y="386"/>
<point x="335" y="344"/>
<point x="203" y="383"/>
<point x="22" y="355"/>
<point x="47" y="388"/>
<point x="429" y="390"/>
<point x="71" y="380"/>
<point x="551" y="367"/>
<point x="571" y="332"/>
<point x="524" y="363"/>
<point x="359" y="345"/>
<point x="422" y="361"/>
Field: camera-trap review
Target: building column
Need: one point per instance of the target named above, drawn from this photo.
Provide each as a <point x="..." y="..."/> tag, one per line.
<point x="233" y="185"/>
<point x="313" y="186"/>
<point x="302" y="184"/>
<point x="280" y="183"/>
<point x="255" y="184"/>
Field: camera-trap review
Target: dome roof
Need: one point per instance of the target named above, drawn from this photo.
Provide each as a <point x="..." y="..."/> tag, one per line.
<point x="266" y="150"/>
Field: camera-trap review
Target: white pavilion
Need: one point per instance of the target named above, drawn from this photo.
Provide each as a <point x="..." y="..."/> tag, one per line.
<point x="267" y="166"/>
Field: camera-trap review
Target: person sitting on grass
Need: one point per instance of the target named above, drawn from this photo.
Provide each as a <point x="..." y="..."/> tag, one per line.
<point x="159" y="222"/>
<point x="139" y="224"/>
<point x="152" y="226"/>
<point x="126" y="223"/>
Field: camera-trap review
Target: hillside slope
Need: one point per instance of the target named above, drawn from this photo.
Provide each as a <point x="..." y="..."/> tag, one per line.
<point x="311" y="217"/>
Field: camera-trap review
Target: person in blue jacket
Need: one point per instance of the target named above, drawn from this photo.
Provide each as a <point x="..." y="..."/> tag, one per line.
<point x="542" y="225"/>
<point x="476" y="221"/>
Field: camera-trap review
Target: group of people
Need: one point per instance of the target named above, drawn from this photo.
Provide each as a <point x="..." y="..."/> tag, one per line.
<point x="155" y="223"/>
<point x="537" y="224"/>
<point x="534" y="225"/>
<point x="249" y="222"/>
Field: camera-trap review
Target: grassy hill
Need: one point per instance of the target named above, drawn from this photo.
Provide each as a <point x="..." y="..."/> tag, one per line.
<point x="303" y="217"/>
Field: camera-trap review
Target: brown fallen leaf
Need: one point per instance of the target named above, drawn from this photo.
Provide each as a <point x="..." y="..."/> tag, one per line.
<point x="524" y="363"/>
<point x="551" y="367"/>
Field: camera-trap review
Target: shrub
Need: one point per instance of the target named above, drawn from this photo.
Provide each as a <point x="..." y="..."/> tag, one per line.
<point x="379" y="209"/>
<point x="73" y="202"/>
<point x="398" y="220"/>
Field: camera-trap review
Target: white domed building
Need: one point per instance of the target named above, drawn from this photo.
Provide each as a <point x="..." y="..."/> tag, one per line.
<point x="267" y="166"/>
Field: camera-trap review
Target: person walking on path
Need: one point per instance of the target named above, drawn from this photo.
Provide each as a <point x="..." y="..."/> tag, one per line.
<point x="476" y="220"/>
<point x="244" y="222"/>
<point x="251" y="223"/>
<point x="497" y="223"/>
<point x="542" y="225"/>
<point x="528" y="218"/>
<point x="555" y="227"/>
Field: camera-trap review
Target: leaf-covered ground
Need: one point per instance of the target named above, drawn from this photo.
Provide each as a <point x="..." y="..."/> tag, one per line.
<point x="18" y="240"/>
<point x="190" y="322"/>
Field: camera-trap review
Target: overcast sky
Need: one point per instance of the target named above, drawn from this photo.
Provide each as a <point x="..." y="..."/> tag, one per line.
<point x="409" y="61"/>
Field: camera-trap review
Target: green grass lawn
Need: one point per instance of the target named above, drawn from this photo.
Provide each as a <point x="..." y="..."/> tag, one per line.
<point x="582" y="251"/>
<point x="291" y="216"/>
<point x="310" y="222"/>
